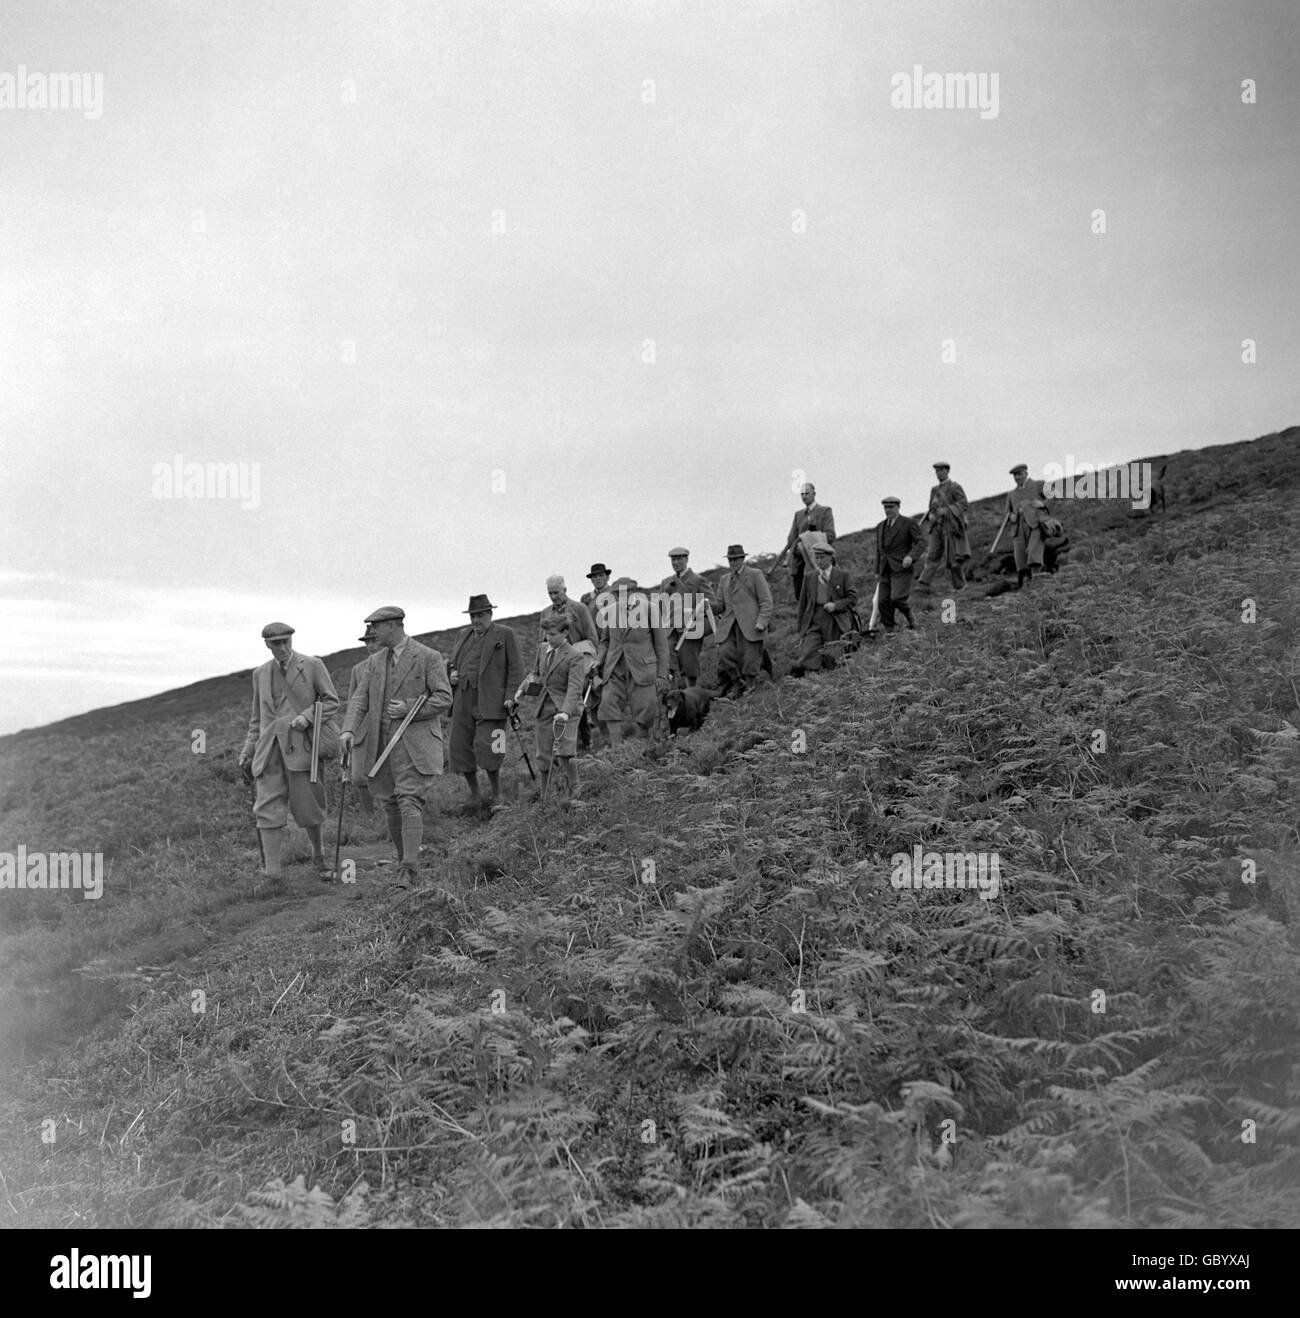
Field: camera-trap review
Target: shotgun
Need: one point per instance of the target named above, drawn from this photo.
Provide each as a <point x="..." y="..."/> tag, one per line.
<point x="317" y="712"/>
<point x="397" y="736"/>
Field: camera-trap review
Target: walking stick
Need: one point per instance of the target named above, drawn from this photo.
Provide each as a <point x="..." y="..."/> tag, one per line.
<point x="397" y="736"/>
<point x="343" y="796"/>
<point x="513" y="719"/>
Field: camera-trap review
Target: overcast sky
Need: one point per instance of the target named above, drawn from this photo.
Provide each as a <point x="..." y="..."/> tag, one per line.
<point x="493" y="290"/>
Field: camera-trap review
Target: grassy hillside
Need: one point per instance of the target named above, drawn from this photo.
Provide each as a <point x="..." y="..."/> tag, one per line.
<point x="696" y="998"/>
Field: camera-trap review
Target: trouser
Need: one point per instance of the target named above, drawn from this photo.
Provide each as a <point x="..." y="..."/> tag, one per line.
<point x="281" y="791"/>
<point x="402" y="790"/>
<point x="739" y="659"/>
<point x="812" y="644"/>
<point x="796" y="571"/>
<point x="1027" y="546"/>
<point x="548" y="745"/>
<point x="895" y="586"/>
<point x="686" y="661"/>
<point x="622" y="698"/>
<point x="473" y="739"/>
<point x="934" y="559"/>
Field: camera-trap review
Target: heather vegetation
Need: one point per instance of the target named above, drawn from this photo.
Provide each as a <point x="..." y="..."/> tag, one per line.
<point x="694" y="998"/>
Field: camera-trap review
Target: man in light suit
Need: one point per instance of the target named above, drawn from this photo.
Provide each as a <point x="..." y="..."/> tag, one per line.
<point x="899" y="543"/>
<point x="631" y="663"/>
<point x="556" y="683"/>
<point x="395" y="678"/>
<point x="825" y="612"/>
<point x="747" y="610"/>
<point x="278" y="747"/>
<point x="360" y="764"/>
<point x="813" y="516"/>
<point x="485" y="671"/>
<point x="1027" y="510"/>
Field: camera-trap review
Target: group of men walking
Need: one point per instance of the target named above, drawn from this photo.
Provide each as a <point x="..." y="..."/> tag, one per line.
<point x="606" y="660"/>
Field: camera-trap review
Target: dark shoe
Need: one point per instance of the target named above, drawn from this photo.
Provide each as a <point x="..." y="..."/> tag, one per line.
<point x="324" y="870"/>
<point x="405" y="873"/>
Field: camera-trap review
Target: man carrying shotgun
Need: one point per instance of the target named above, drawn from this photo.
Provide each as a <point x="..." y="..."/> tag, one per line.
<point x="291" y="694"/>
<point x="395" y="678"/>
<point x="697" y="604"/>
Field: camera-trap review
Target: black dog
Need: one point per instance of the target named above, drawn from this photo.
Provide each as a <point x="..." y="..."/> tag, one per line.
<point x="687" y="708"/>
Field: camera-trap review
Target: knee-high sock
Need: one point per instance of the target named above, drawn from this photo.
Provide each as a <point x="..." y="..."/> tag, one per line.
<point x="314" y="837"/>
<point x="272" y="846"/>
<point x="393" y="817"/>
<point x="412" y="832"/>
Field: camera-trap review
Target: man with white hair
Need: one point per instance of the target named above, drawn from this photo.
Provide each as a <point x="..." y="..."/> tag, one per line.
<point x="813" y="516"/>
<point x="581" y="626"/>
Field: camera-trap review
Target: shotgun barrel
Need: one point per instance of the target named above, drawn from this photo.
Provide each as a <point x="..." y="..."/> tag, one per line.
<point x="397" y="736"/>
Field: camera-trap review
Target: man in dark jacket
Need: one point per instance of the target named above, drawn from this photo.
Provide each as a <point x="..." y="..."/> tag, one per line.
<point x="899" y="543"/>
<point x="826" y="612"/>
<point x="485" y="672"/>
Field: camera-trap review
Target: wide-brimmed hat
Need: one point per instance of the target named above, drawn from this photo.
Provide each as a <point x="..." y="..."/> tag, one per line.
<point x="480" y="604"/>
<point x="735" y="551"/>
<point x="597" y="569"/>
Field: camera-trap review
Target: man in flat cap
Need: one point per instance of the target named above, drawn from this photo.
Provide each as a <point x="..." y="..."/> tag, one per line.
<point x="1026" y="513"/>
<point x="826" y="612"/>
<point x="552" y="696"/>
<point x="631" y="663"/>
<point x="813" y="516"/>
<point x="948" y="516"/>
<point x="485" y="672"/>
<point x="278" y="750"/>
<point x="394" y="679"/>
<point x="581" y="625"/>
<point x="360" y="764"/>
<point x="687" y="595"/>
<point x="747" y="609"/>
<point x="899" y="543"/>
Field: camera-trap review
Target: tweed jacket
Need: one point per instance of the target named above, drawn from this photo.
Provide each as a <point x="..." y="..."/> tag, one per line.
<point x="644" y="649"/>
<point x="816" y="518"/>
<point x="306" y="680"/>
<point x="839" y="590"/>
<point x="746" y="601"/>
<point x="1027" y="505"/>
<point x="555" y="684"/>
<point x="420" y="671"/>
<point x="500" y="669"/>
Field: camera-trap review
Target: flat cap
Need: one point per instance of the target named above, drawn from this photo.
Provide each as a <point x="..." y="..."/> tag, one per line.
<point x="275" y="630"/>
<point x="679" y="552"/>
<point x="1020" y="466"/>
<point x="891" y="498"/>
<point x="389" y="613"/>
<point x="937" y="465"/>
<point x="824" y="549"/>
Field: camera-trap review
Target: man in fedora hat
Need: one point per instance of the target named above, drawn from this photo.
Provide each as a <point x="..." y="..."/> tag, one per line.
<point x="396" y="676"/>
<point x="555" y="683"/>
<point x="747" y="609"/>
<point x="278" y="750"/>
<point x="360" y="764"/>
<point x="947" y="517"/>
<point x="631" y="663"/>
<point x="826" y="611"/>
<point x="695" y="607"/>
<point x="1027" y="512"/>
<point x="599" y="577"/>
<point x="899" y="543"/>
<point x="485" y="672"/>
